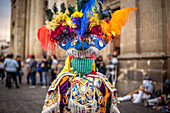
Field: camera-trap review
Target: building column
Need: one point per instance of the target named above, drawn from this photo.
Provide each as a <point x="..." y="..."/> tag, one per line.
<point x="27" y="29"/>
<point x="19" y="41"/>
<point x="32" y="28"/>
<point x="39" y="21"/>
<point x="51" y="3"/>
<point x="143" y="45"/>
<point x="167" y="3"/>
<point x="11" y="29"/>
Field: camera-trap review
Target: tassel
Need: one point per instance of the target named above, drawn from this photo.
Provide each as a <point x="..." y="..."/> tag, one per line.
<point x="79" y="80"/>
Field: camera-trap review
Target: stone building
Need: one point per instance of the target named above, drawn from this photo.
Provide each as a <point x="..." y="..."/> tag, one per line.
<point x="144" y="42"/>
<point x="4" y="47"/>
<point x="26" y="17"/>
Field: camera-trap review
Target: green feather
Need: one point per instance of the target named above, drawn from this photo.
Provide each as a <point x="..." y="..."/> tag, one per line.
<point x="71" y="10"/>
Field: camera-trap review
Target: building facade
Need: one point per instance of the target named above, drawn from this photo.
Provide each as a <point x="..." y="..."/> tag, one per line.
<point x="4" y="47"/>
<point x="26" y="17"/>
<point x="144" y="42"/>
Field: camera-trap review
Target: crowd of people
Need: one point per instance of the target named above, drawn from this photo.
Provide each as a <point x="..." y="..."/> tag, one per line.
<point x="110" y="70"/>
<point x="12" y="70"/>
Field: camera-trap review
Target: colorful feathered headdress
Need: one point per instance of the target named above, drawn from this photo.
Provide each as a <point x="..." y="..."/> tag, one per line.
<point x="84" y="31"/>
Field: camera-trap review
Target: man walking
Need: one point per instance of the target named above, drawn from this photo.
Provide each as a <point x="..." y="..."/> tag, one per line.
<point x="32" y="70"/>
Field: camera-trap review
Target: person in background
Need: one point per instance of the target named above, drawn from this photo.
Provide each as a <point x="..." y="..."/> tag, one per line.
<point x="32" y="70"/>
<point x="101" y="65"/>
<point x="39" y="69"/>
<point x="6" y="79"/>
<point x="2" y="73"/>
<point x="22" y="68"/>
<point x="28" y="60"/>
<point x="143" y="92"/>
<point x="49" y="60"/>
<point x="44" y="66"/>
<point x="97" y="62"/>
<point x="54" y="67"/>
<point x="2" y="58"/>
<point x="111" y="67"/>
<point x="11" y="69"/>
<point x="162" y="98"/>
<point x="18" y="59"/>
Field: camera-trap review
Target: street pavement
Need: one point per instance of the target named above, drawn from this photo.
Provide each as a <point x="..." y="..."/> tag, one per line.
<point x="30" y="100"/>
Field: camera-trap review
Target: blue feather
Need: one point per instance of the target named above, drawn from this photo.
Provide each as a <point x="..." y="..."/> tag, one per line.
<point x="78" y="24"/>
<point x="87" y="9"/>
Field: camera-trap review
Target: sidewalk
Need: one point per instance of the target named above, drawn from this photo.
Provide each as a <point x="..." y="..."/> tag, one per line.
<point x="129" y="107"/>
<point x="30" y="100"/>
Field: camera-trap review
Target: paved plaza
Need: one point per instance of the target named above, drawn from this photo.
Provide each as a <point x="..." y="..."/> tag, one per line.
<point x="30" y="100"/>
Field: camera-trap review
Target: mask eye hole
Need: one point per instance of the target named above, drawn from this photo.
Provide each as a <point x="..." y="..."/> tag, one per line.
<point x="75" y="41"/>
<point x="88" y="40"/>
<point x="64" y="42"/>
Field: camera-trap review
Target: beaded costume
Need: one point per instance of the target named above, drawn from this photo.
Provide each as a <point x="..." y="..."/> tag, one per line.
<point x="82" y="33"/>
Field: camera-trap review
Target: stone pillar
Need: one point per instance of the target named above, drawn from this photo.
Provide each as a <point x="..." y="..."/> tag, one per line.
<point x="51" y="3"/>
<point x="128" y="45"/>
<point x="72" y="3"/>
<point x="32" y="28"/>
<point x="143" y="45"/>
<point x="167" y="6"/>
<point x="11" y="28"/>
<point x="27" y="29"/>
<point x="39" y="21"/>
<point x="19" y="37"/>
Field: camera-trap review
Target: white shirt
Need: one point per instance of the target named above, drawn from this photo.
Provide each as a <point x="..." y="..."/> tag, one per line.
<point x="149" y="89"/>
<point x="54" y="62"/>
<point x="11" y="65"/>
<point x="28" y="61"/>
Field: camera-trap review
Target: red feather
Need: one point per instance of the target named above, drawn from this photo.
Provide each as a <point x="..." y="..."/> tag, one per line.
<point x="44" y="38"/>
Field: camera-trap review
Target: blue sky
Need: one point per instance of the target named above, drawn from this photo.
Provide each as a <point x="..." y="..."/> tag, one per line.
<point x="5" y="12"/>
